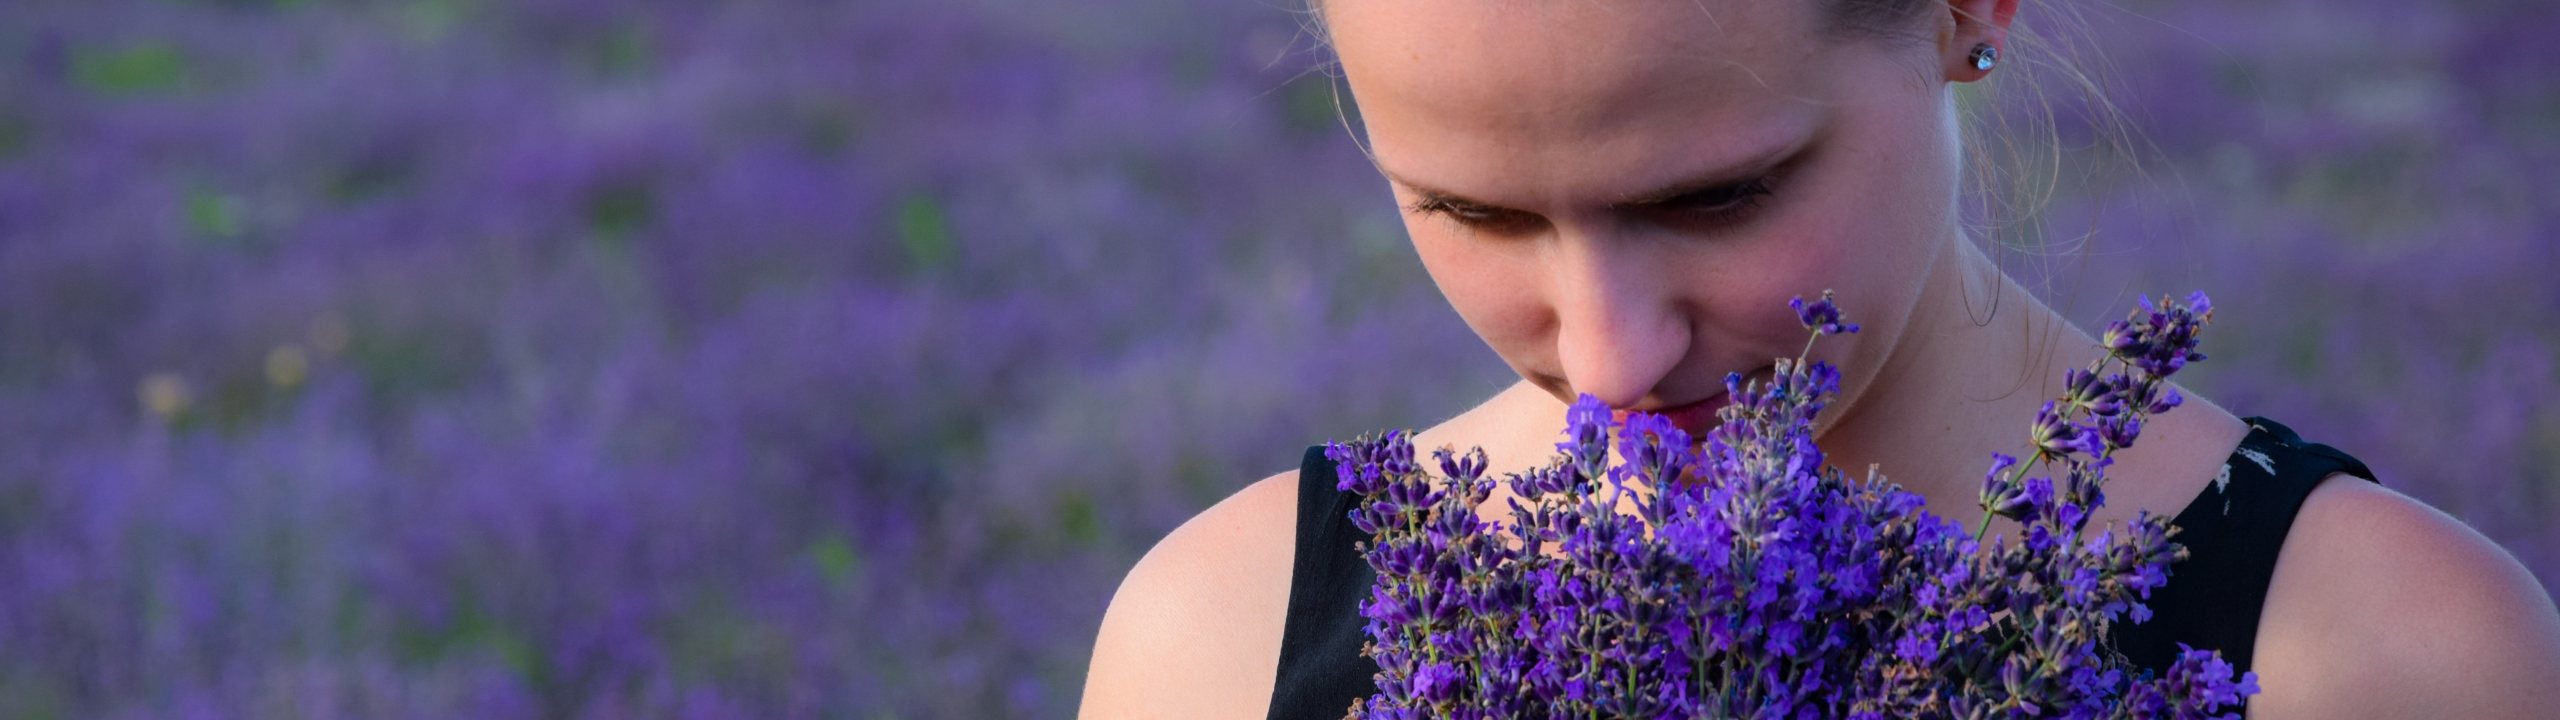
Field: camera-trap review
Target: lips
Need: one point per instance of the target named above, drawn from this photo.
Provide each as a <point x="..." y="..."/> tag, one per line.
<point x="1697" y="416"/>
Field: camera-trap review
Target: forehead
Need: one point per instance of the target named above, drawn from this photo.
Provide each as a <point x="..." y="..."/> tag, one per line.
<point x="1492" y="87"/>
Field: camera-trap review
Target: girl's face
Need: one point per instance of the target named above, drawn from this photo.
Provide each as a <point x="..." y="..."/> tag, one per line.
<point x="1621" y="197"/>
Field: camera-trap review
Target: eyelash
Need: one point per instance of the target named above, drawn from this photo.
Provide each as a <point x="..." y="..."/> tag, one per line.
<point x="1737" y="203"/>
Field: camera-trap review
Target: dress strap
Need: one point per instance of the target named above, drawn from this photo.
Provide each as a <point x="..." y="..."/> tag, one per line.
<point x="2233" y="531"/>
<point x="1321" y="669"/>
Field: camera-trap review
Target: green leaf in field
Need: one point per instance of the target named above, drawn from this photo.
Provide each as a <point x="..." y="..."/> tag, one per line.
<point x="213" y="214"/>
<point x="368" y="179"/>
<point x="14" y="132"/>
<point x="836" y="560"/>
<point x="1311" y="104"/>
<point x="925" y="233"/>
<point x="626" y="51"/>
<point x="1078" y="518"/>
<point x="430" y="20"/>
<point x="473" y="631"/>
<point x="618" y="211"/>
<point x="140" y="69"/>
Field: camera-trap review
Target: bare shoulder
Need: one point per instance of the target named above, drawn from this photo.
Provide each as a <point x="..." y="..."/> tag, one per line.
<point x="2381" y="606"/>
<point x="1194" y="630"/>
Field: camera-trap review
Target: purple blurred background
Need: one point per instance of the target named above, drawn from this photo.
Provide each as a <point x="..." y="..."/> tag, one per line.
<point x="586" y="359"/>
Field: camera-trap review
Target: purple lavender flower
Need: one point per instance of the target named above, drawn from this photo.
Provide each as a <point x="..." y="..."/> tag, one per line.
<point x="719" y="322"/>
<point x="1822" y="315"/>
<point x="2055" y="434"/>
<point x="1753" y="579"/>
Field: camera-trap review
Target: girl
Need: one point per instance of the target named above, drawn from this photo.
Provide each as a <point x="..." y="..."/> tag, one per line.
<point x="1619" y="198"/>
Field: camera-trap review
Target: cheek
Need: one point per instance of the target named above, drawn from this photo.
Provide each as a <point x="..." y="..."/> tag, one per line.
<point x="1839" y="238"/>
<point x="1865" y="230"/>
<point x="1904" y="199"/>
<point x="1494" y="289"/>
<point x="1744" y="296"/>
<point x="1847" y="252"/>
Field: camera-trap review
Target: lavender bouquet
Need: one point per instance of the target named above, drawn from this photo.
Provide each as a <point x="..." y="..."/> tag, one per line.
<point x="1753" y="580"/>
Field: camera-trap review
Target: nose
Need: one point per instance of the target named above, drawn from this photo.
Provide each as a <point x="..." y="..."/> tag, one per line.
<point x="1620" y="325"/>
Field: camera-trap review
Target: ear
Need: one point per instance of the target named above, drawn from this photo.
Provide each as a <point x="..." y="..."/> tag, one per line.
<point x="1973" y="22"/>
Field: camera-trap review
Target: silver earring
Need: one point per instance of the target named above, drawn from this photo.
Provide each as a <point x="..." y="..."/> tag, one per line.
<point x="1984" y="55"/>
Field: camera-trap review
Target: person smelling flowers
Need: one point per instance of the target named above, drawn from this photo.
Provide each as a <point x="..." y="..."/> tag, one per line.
<point x="1617" y="197"/>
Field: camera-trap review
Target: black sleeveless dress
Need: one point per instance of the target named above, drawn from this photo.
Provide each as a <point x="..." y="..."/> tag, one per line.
<point x="2212" y="600"/>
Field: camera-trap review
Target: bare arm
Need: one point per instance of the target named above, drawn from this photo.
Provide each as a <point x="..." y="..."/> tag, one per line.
<point x="2382" y="607"/>
<point x="1194" y="631"/>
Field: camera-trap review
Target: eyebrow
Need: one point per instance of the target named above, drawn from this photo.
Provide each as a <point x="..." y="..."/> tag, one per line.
<point x="1714" y="178"/>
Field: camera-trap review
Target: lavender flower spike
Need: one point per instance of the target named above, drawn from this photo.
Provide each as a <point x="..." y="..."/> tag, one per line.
<point x="1752" y="580"/>
<point x="1822" y="315"/>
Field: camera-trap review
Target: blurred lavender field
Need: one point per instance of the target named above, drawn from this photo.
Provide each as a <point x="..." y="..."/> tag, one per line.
<point x="572" y="358"/>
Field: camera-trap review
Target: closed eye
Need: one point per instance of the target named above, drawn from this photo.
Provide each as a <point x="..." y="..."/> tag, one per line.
<point x="1720" y="197"/>
<point x="1707" y="201"/>
<point x="1720" y="206"/>
<point x="1475" y="217"/>
<point x="1713" y="207"/>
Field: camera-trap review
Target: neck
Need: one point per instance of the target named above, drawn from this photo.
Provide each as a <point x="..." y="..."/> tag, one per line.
<point x="1973" y="363"/>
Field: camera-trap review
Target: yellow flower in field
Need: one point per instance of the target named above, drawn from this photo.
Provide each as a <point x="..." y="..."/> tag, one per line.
<point x="287" y="365"/>
<point x="164" y="394"/>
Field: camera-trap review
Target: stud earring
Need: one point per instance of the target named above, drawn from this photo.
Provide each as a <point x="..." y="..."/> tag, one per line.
<point x="1984" y="55"/>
